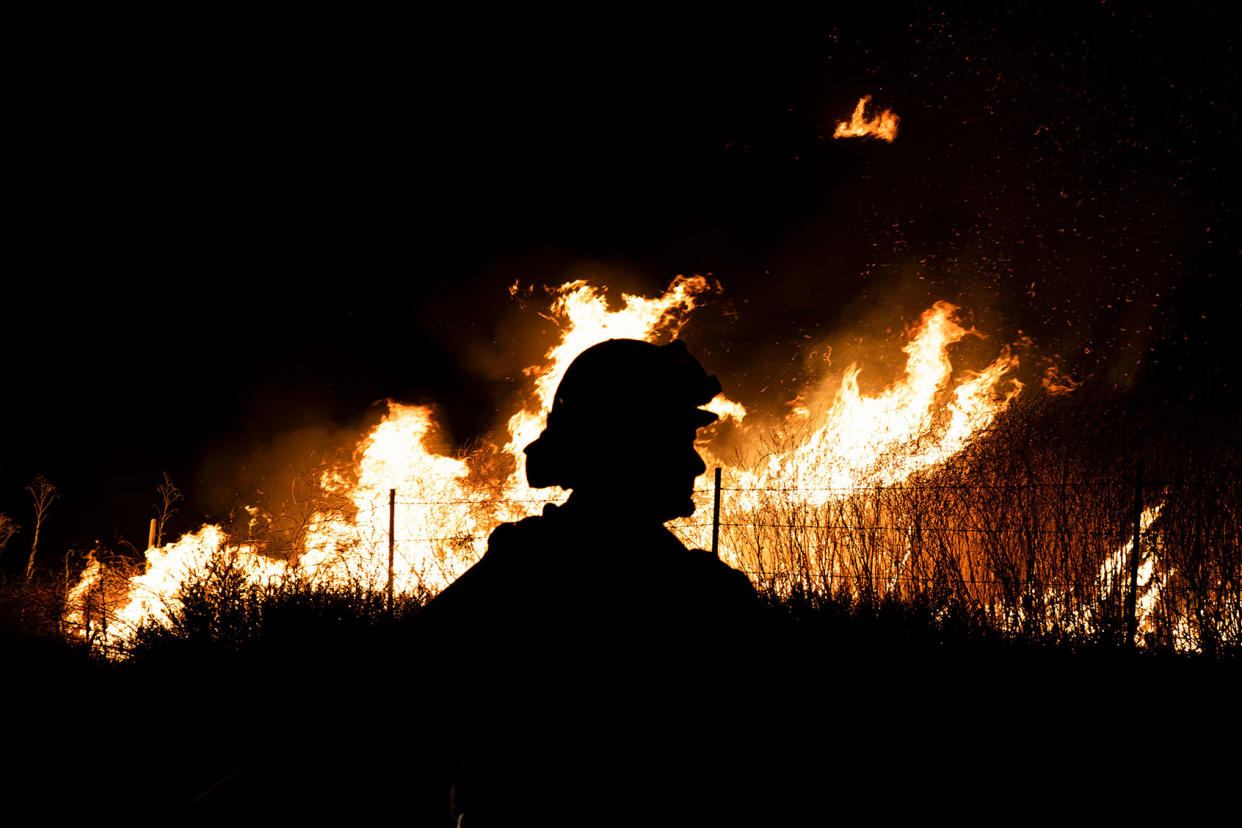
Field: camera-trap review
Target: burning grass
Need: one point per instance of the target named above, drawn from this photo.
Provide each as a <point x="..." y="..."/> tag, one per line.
<point x="946" y="488"/>
<point x="975" y="608"/>
<point x="1027" y="533"/>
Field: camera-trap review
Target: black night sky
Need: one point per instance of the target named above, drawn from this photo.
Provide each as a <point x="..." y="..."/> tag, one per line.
<point x="229" y="237"/>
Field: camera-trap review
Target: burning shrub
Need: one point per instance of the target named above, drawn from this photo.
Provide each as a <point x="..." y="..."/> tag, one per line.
<point x="29" y="610"/>
<point x="222" y="608"/>
<point x="945" y="490"/>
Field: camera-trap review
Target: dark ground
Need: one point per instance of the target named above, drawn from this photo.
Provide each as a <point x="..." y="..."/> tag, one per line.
<point x="854" y="716"/>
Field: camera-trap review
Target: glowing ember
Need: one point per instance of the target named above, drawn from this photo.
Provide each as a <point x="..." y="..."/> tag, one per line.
<point x="883" y="126"/>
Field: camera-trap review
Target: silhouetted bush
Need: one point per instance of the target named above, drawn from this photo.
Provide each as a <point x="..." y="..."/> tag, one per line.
<point x="219" y="608"/>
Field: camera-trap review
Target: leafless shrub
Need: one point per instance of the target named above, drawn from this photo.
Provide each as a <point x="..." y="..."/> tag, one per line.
<point x="166" y="506"/>
<point x="8" y="528"/>
<point x="42" y="494"/>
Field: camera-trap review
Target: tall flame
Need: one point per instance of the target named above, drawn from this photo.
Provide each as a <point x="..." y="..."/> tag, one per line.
<point x="582" y="314"/>
<point x="351" y="546"/>
<point x="882" y="126"/>
<point x="847" y="439"/>
<point x="876" y="441"/>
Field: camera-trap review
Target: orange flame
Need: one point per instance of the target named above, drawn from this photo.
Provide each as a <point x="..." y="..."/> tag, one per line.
<point x="1149" y="585"/>
<point x="882" y="126"/>
<point x="447" y="506"/>
<point x="852" y="440"/>
<point x="582" y="314"/>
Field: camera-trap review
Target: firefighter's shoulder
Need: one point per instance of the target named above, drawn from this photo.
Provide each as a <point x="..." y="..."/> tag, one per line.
<point x="703" y="565"/>
<point x="484" y="583"/>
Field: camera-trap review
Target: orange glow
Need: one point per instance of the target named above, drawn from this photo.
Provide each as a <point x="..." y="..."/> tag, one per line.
<point x="582" y="314"/>
<point x="1114" y="575"/>
<point x="447" y="506"/>
<point x="883" y="126"/>
<point x="850" y="441"/>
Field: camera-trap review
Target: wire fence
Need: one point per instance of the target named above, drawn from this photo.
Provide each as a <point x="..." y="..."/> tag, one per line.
<point x="1124" y="558"/>
<point x="1150" y="560"/>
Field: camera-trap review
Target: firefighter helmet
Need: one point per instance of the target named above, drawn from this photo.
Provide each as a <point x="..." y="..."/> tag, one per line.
<point x="623" y="388"/>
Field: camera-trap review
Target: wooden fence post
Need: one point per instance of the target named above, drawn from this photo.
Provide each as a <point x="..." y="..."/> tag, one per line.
<point x="392" y="524"/>
<point x="1135" y="552"/>
<point x="103" y="607"/>
<point x="716" y="518"/>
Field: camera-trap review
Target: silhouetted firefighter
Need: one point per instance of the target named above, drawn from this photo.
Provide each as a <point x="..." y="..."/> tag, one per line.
<point x="588" y="670"/>
<point x="591" y="656"/>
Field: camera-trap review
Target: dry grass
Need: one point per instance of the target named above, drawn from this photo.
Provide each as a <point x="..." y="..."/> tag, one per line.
<point x="1028" y="529"/>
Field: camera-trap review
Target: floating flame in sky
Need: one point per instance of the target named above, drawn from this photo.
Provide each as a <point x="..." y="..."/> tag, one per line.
<point x="883" y="126"/>
<point x="447" y="506"/>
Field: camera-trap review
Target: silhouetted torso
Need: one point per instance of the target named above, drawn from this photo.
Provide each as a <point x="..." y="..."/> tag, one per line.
<point x="593" y="664"/>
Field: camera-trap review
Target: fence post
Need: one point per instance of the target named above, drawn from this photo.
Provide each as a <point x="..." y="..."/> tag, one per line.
<point x="915" y="562"/>
<point x="86" y="616"/>
<point x="1135" y="551"/>
<point x="716" y="518"/>
<point x="392" y="524"/>
<point x="64" y="599"/>
<point x="103" y="607"/>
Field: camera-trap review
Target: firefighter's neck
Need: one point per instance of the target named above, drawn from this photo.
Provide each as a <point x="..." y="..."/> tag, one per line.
<point x="618" y="508"/>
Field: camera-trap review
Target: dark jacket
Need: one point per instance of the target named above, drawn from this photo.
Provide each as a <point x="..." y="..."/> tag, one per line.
<point x="593" y="664"/>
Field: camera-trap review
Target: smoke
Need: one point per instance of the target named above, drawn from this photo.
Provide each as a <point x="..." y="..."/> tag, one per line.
<point x="275" y="470"/>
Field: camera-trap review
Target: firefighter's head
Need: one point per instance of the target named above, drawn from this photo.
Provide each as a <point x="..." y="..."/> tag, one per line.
<point x="623" y="424"/>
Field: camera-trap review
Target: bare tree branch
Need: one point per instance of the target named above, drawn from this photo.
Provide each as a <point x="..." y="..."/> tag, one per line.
<point x="166" y="507"/>
<point x="42" y="493"/>
<point x="8" y="528"/>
